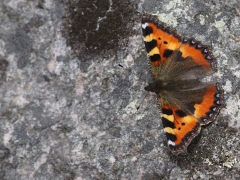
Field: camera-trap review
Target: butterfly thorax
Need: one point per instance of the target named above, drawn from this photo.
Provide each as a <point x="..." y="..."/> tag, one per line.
<point x="160" y="86"/>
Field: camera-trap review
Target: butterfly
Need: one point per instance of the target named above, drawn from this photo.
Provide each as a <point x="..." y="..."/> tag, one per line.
<point x="178" y="65"/>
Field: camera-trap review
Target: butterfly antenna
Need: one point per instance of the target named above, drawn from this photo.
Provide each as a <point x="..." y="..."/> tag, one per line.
<point x="138" y="105"/>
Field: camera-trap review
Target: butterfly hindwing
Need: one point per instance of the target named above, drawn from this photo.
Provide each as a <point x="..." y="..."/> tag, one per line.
<point x="184" y="113"/>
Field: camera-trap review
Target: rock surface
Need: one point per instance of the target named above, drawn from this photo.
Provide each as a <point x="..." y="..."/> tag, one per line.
<point x="64" y="115"/>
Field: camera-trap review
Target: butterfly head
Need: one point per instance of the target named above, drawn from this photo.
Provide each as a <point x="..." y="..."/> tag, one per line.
<point x="156" y="87"/>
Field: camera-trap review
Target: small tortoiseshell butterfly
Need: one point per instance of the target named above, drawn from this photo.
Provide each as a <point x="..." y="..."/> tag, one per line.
<point x="178" y="64"/>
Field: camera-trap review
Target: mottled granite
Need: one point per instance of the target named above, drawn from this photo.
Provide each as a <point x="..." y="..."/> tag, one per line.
<point x="63" y="117"/>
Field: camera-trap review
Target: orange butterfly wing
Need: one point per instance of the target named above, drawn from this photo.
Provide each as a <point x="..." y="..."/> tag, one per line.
<point x="161" y="41"/>
<point x="181" y="128"/>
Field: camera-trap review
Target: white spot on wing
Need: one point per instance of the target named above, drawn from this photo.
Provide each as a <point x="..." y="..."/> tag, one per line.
<point x="171" y="143"/>
<point x="144" y="25"/>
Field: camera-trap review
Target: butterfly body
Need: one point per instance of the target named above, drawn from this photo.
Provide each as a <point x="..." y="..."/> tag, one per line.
<point x="178" y="65"/>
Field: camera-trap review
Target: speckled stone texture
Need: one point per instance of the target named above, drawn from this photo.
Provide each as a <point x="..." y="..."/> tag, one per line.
<point x="69" y="115"/>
